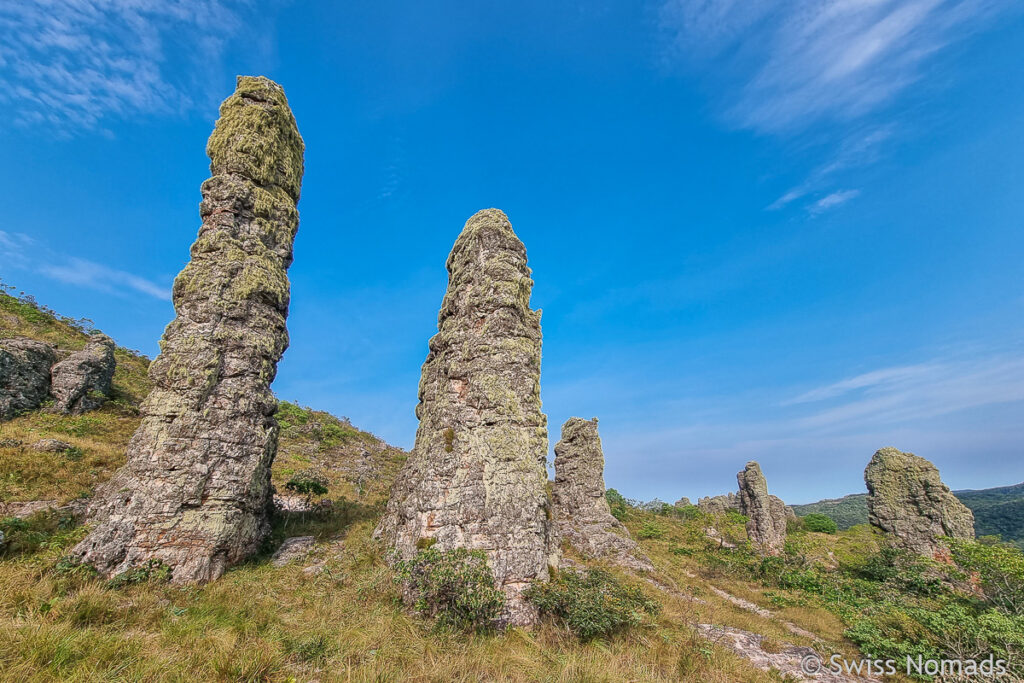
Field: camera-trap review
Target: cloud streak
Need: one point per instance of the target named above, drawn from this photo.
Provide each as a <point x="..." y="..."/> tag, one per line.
<point x="72" y="64"/>
<point x="800" y="61"/>
<point x="16" y="250"/>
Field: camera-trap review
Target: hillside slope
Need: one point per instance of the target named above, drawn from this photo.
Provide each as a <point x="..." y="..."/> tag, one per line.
<point x="334" y="612"/>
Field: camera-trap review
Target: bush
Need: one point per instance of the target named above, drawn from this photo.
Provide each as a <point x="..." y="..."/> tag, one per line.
<point x="591" y="603"/>
<point x="821" y="523"/>
<point x="999" y="569"/>
<point x="455" y="587"/>
<point x="308" y="484"/>
<point x="650" y="530"/>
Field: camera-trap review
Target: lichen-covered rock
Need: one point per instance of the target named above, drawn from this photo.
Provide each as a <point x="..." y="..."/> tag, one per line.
<point x="81" y="382"/>
<point x="24" y="375"/>
<point x="766" y="514"/>
<point x="907" y="499"/>
<point x="476" y="477"/>
<point x="716" y="505"/>
<point x="51" y="446"/>
<point x="195" y="492"/>
<point x="683" y="502"/>
<point x="580" y="507"/>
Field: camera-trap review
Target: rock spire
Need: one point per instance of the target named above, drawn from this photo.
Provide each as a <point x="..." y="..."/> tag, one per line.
<point x="581" y="508"/>
<point x="766" y="514"/>
<point x="195" y="491"/>
<point x="907" y="499"/>
<point x="476" y="477"/>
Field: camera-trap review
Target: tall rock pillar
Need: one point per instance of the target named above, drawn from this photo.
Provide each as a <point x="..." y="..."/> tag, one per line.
<point x="476" y="477"/>
<point x="195" y="491"/>
<point x="766" y="514"/>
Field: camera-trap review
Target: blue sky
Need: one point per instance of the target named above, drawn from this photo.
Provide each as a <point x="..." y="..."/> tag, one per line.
<point x="785" y="231"/>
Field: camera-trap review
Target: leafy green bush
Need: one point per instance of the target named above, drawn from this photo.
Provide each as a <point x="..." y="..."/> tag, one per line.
<point x="650" y="530"/>
<point x="592" y="603"/>
<point x="820" y="523"/>
<point x="999" y="569"/>
<point x="308" y="484"/>
<point x="455" y="587"/>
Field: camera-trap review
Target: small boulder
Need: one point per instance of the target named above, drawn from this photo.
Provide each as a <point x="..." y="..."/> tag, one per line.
<point x="82" y="381"/>
<point x="908" y="501"/>
<point x="51" y="446"/>
<point x="292" y="549"/>
<point x="24" y="375"/>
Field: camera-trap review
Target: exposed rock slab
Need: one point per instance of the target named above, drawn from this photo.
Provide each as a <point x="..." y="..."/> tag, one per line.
<point x="294" y="548"/>
<point x="195" y="492"/>
<point x="716" y="505"/>
<point x="81" y="382"/>
<point x="580" y="507"/>
<point x="476" y="477"/>
<point x="24" y="375"/>
<point x="908" y="501"/>
<point x="791" y="661"/>
<point x="766" y="514"/>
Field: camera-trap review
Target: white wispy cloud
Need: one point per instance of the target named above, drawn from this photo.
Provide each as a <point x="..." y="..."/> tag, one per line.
<point x="18" y="250"/>
<point x="71" y="64"/>
<point x="784" y="66"/>
<point x="832" y="200"/>
<point x="798" y="61"/>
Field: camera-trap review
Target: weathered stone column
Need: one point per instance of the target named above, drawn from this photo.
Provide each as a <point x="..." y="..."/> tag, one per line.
<point x="24" y="375"/>
<point x="195" y="491"/>
<point x="581" y="508"/>
<point x="908" y="501"/>
<point x="766" y="515"/>
<point x="476" y="477"/>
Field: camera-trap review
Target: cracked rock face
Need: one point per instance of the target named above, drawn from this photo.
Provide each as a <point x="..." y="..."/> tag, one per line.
<point x="719" y="504"/>
<point x="580" y="507"/>
<point x="476" y="477"/>
<point x="766" y="514"/>
<point x="24" y="375"/>
<point x="908" y="501"/>
<point x="81" y="382"/>
<point x="195" y="491"/>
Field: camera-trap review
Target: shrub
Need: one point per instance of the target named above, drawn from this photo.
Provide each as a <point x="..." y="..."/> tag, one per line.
<point x="999" y="569"/>
<point x="592" y="603"/>
<point x="820" y="523"/>
<point x="455" y="587"/>
<point x="650" y="530"/>
<point x="308" y="484"/>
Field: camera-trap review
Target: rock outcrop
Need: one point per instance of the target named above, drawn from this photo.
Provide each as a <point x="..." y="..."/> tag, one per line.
<point x="195" y="491"/>
<point x="476" y="477"/>
<point x="908" y="501"/>
<point x="766" y="514"/>
<point x="581" y="509"/>
<point x="715" y="505"/>
<point x="683" y="502"/>
<point x="24" y="375"/>
<point x="81" y="382"/>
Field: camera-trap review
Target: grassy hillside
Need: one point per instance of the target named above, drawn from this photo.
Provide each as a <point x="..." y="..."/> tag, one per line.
<point x="997" y="511"/>
<point x="336" y="614"/>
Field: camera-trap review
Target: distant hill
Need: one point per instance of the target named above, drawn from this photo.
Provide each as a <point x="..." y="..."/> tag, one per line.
<point x="997" y="511"/>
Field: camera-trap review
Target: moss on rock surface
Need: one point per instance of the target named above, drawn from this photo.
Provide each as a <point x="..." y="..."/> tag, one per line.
<point x="195" y="491"/>
<point x="476" y="478"/>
